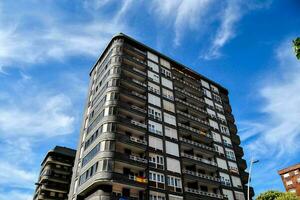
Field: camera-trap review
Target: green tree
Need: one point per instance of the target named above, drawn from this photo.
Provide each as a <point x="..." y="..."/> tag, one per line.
<point x="296" y="43"/>
<point x="269" y="195"/>
<point x="288" y="196"/>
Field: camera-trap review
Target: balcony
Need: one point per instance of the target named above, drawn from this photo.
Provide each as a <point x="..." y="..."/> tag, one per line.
<point x="232" y="127"/>
<point x="130" y="48"/>
<point x="133" y="123"/>
<point x="236" y="139"/>
<point x="227" y="144"/>
<point x="133" y="83"/>
<point x="134" y="70"/>
<point x="233" y="169"/>
<point x="202" y="176"/>
<point x="130" y="108"/>
<point x="193" y="118"/>
<point x="127" y="179"/>
<point x="184" y="92"/>
<point x="203" y="111"/>
<point x="131" y="159"/>
<point x="242" y="163"/>
<point x="196" y="144"/>
<point x="202" y="160"/>
<point x="187" y="130"/>
<point x="196" y="89"/>
<point x="133" y="60"/>
<point x="133" y="94"/>
<point x="132" y="140"/>
<point x="202" y="193"/>
<point x="238" y="151"/>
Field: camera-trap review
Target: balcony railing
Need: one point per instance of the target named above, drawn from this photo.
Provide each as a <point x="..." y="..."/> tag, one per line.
<point x="138" y="95"/>
<point x="201" y="175"/>
<point x="209" y="194"/>
<point x="227" y="144"/>
<point x="188" y="84"/>
<point x="190" y="105"/>
<point x="193" y="118"/>
<point x="138" y="109"/>
<point x="233" y="169"/>
<point x="152" y="130"/>
<point x="196" y="144"/>
<point x="139" y="179"/>
<point x="137" y="140"/>
<point x="188" y="94"/>
<point x="226" y="183"/>
<point x="199" y="159"/>
<point x="138" y="159"/>
<point x="138" y="124"/>
<point x="194" y="130"/>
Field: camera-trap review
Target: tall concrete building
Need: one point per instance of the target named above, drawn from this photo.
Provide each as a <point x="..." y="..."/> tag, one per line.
<point x="55" y="176"/>
<point x="291" y="178"/>
<point x="155" y="129"/>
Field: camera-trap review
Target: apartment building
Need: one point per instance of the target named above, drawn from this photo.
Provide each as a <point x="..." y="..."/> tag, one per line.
<point x="56" y="173"/>
<point x="291" y="178"/>
<point x="154" y="129"/>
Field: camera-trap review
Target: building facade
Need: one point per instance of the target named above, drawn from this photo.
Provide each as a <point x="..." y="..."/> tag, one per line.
<point x="154" y="129"/>
<point x="291" y="178"/>
<point x="55" y="176"/>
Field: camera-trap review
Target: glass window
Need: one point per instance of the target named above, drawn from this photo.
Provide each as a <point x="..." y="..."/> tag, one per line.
<point x="154" y="113"/>
<point x="170" y="119"/>
<point x="153" y="99"/>
<point x="168" y="94"/>
<point x="168" y="106"/>
<point x="167" y="83"/>
<point x="153" y="66"/>
<point x="152" y="56"/>
<point x="171" y="132"/>
<point x="153" y="76"/>
<point x="154" y="88"/>
<point x="165" y="63"/>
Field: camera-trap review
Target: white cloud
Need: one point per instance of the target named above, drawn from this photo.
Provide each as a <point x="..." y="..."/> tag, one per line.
<point x="274" y="136"/>
<point x="54" y="37"/>
<point x="47" y="114"/>
<point x="229" y="17"/>
<point x="182" y="15"/>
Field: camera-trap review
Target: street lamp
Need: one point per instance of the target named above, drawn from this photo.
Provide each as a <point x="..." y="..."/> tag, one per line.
<point x="249" y="177"/>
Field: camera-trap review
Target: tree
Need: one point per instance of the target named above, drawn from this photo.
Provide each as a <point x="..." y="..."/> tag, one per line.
<point x="269" y="195"/>
<point x="296" y="43"/>
<point x="276" y="195"/>
<point x="288" y="196"/>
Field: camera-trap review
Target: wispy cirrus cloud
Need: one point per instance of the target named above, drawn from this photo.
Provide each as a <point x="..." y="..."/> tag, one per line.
<point x="274" y="136"/>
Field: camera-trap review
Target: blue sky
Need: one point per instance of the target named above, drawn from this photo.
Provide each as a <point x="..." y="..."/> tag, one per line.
<point x="48" y="47"/>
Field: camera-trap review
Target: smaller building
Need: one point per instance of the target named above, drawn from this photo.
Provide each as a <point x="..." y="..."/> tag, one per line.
<point x="55" y="176"/>
<point x="291" y="178"/>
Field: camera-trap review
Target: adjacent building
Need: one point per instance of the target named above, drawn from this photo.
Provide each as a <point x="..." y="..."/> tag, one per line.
<point x="55" y="176"/>
<point x="154" y="129"/>
<point x="291" y="178"/>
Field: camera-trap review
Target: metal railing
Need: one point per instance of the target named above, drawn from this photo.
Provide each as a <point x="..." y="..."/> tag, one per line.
<point x="201" y="175"/>
<point x="196" y="144"/>
<point x="195" y="191"/>
<point x="199" y="159"/>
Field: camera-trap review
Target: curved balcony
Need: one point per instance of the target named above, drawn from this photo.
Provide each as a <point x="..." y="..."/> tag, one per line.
<point x="203" y="111"/>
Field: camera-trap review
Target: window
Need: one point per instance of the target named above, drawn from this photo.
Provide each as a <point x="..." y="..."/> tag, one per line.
<point x="214" y="88"/>
<point x="173" y="165"/>
<point x="230" y="154"/>
<point x="155" y="143"/>
<point x="205" y="84"/>
<point x="165" y="63"/>
<point x="157" y="196"/>
<point x="219" y="107"/>
<point x="216" y="137"/>
<point x="171" y="132"/>
<point x="209" y="102"/>
<point x="233" y="167"/>
<point x="154" y="88"/>
<point x="168" y="94"/>
<point x="153" y="66"/>
<point x="174" y="197"/>
<point x="168" y="106"/>
<point x="225" y="180"/>
<point x="152" y="56"/>
<point x="167" y="83"/>
<point x="236" y="182"/>
<point x="221" y="117"/>
<point x="211" y="113"/>
<point x="110" y="111"/>
<point x="157" y="161"/>
<point x="222" y="163"/>
<point x="154" y="113"/>
<point x="153" y="99"/>
<point x="227" y="141"/>
<point x="239" y="195"/>
<point x="286" y="175"/>
<point x="156" y="177"/>
<point x="153" y="76"/>
<point x="155" y="127"/>
<point x="219" y="149"/>
<point x="172" y="148"/>
<point x="213" y="124"/>
<point x="224" y="129"/>
<point x="289" y="183"/>
<point x="166" y="73"/>
<point x="207" y="93"/>
<point x="228" y="194"/>
<point x="170" y="119"/>
<point x="174" y="181"/>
